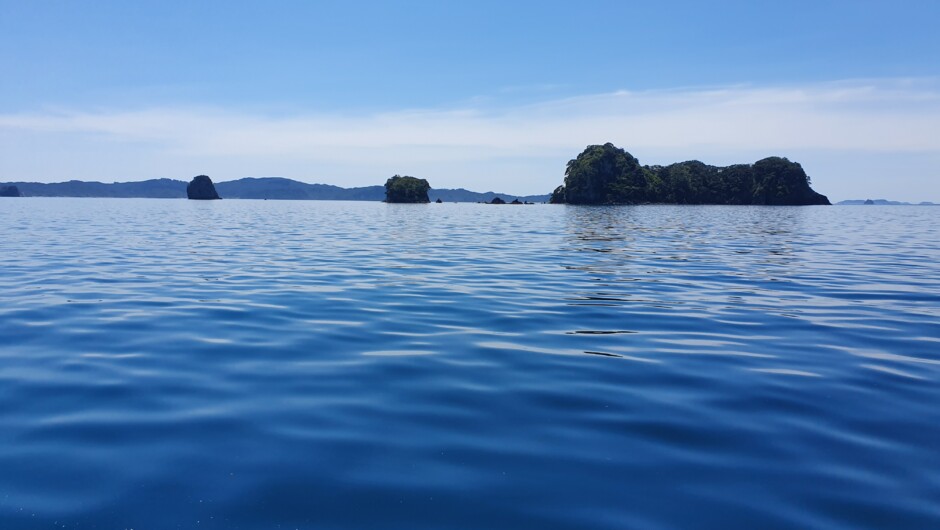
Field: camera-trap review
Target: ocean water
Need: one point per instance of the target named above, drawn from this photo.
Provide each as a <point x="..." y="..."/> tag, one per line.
<point x="319" y="365"/>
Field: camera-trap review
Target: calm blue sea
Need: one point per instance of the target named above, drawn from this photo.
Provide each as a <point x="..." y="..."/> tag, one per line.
<point x="321" y="365"/>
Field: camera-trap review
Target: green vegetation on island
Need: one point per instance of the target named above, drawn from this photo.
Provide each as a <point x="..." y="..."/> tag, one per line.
<point x="606" y="174"/>
<point x="406" y="189"/>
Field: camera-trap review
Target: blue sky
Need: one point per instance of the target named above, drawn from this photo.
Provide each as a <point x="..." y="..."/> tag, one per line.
<point x="483" y="95"/>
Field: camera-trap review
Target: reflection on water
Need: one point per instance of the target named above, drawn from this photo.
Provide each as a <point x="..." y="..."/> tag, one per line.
<point x="256" y="364"/>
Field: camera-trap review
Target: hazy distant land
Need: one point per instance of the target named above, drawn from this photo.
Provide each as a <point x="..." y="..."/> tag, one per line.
<point x="247" y="188"/>
<point x="882" y="202"/>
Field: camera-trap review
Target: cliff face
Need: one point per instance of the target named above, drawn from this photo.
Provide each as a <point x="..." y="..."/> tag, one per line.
<point x="781" y="182"/>
<point x="201" y="188"/>
<point x="605" y="174"/>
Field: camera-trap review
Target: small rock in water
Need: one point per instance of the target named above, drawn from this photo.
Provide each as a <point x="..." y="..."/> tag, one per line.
<point x="201" y="188"/>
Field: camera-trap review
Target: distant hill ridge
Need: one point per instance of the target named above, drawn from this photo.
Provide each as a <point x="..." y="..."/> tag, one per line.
<point x="275" y="188"/>
<point x="883" y="202"/>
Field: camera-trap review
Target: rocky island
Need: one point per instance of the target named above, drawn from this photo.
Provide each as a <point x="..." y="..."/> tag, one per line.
<point x="606" y="174"/>
<point x="202" y="189"/>
<point x="10" y="191"/>
<point x="406" y="189"/>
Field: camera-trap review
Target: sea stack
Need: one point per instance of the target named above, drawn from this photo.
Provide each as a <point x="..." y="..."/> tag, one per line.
<point x="10" y="191"/>
<point x="406" y="190"/>
<point x="202" y="189"/>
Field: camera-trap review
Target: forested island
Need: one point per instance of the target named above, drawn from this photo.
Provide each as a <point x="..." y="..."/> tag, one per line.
<point x="606" y="174"/>
<point x="399" y="189"/>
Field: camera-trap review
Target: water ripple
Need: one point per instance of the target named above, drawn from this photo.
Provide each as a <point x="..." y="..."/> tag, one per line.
<point x="264" y="364"/>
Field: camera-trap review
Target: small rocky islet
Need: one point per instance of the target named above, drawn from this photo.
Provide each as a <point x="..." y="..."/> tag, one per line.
<point x="201" y="188"/>
<point x="407" y="190"/>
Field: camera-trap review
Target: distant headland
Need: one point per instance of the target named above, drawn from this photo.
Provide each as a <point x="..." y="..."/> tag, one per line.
<point x="606" y="174"/>
<point x="883" y="202"/>
<point x="274" y="188"/>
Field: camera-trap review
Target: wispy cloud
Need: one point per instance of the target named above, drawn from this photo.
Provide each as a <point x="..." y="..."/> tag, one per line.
<point x="863" y="116"/>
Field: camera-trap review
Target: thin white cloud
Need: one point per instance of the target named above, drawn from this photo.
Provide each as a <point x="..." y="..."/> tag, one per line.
<point x="894" y="116"/>
<point x="863" y="116"/>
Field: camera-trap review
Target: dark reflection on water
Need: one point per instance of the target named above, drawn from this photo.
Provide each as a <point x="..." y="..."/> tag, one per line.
<point x="264" y="364"/>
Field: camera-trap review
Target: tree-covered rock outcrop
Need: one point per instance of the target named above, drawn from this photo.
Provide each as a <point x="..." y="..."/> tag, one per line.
<point x="606" y="174"/>
<point x="407" y="190"/>
<point x="9" y="191"/>
<point x="202" y="189"/>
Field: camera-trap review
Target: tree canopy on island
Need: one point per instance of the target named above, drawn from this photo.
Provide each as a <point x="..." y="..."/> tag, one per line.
<point x="407" y="190"/>
<point x="606" y="174"/>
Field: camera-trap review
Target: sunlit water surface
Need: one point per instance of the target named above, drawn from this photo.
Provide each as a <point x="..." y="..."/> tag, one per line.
<point x="264" y="364"/>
